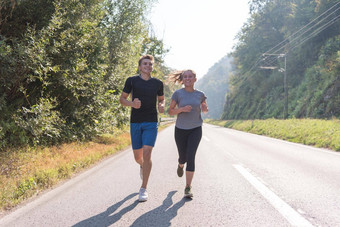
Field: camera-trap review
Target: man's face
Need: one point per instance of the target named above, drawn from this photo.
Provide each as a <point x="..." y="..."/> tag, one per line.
<point x="146" y="66"/>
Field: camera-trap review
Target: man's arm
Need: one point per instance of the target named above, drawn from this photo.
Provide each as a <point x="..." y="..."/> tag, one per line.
<point x="161" y="103"/>
<point x="136" y="103"/>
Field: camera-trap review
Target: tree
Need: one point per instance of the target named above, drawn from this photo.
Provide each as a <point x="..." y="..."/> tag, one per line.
<point x="63" y="68"/>
<point x="301" y="30"/>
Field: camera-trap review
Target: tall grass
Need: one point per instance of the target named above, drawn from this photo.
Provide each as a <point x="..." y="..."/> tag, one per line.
<point x="26" y="172"/>
<point x="314" y="132"/>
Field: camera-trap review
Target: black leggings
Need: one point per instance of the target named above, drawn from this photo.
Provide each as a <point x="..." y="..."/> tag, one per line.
<point x="187" y="141"/>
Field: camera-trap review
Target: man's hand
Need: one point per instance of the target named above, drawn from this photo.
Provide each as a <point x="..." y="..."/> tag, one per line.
<point x="136" y="103"/>
<point x="161" y="107"/>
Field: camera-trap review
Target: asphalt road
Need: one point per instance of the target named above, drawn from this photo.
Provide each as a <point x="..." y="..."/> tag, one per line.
<point x="241" y="179"/>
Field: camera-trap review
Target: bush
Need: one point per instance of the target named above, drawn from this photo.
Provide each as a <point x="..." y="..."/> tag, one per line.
<point x="41" y="122"/>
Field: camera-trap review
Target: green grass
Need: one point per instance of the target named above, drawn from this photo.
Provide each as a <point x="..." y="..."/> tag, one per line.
<point x="314" y="132"/>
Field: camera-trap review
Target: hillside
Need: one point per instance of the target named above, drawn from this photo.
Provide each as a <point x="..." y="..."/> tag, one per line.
<point x="288" y="62"/>
<point x="215" y="85"/>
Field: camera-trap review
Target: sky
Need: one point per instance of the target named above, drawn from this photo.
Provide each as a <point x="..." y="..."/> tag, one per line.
<point x="198" y="32"/>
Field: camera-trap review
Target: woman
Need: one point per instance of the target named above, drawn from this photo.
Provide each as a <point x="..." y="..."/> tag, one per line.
<point x="187" y="103"/>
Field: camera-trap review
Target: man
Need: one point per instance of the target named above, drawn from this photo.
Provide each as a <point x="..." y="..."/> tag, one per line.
<point x="145" y="91"/>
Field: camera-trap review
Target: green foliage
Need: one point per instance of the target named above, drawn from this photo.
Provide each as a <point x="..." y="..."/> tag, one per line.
<point x="312" y="62"/>
<point x="63" y="68"/>
<point x="319" y="89"/>
<point x="23" y="187"/>
<point x="41" y="121"/>
<point x="315" y="132"/>
<point x="16" y="16"/>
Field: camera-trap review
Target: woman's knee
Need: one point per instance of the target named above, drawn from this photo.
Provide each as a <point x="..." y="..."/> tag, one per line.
<point x="190" y="167"/>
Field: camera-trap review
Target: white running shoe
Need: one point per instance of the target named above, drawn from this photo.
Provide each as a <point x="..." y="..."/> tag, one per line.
<point x="143" y="195"/>
<point x="141" y="172"/>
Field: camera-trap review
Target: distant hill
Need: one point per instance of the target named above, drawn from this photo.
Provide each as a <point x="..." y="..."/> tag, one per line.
<point x="215" y="86"/>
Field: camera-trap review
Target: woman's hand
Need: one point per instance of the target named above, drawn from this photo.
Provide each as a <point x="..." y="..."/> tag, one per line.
<point x="204" y="107"/>
<point x="186" y="108"/>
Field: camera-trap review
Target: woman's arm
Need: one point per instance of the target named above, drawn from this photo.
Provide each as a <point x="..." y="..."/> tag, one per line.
<point x="173" y="110"/>
<point x="204" y="107"/>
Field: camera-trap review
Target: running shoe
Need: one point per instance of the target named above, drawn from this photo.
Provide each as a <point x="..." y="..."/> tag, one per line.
<point x="180" y="171"/>
<point x="187" y="192"/>
<point x="143" y="195"/>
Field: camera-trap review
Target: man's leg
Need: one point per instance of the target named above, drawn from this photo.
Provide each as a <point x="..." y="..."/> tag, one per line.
<point x="138" y="156"/>
<point x="149" y="136"/>
<point x="147" y="164"/>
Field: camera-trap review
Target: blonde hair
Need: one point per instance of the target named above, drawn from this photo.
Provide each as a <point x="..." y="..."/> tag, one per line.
<point x="177" y="76"/>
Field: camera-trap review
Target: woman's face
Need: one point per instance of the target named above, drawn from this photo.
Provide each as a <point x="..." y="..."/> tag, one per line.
<point x="189" y="78"/>
<point x="146" y="66"/>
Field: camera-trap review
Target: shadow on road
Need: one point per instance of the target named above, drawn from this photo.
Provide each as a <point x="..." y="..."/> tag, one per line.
<point x="162" y="215"/>
<point x="106" y="218"/>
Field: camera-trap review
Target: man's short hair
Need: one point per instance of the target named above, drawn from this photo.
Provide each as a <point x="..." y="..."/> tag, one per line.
<point x="147" y="56"/>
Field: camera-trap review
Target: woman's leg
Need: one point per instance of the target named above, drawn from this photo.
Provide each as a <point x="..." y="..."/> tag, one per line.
<point x="181" y="142"/>
<point x="194" y="139"/>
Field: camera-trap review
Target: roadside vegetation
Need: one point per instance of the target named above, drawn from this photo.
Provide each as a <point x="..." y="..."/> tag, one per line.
<point x="314" y="132"/>
<point x="279" y="32"/>
<point x="64" y="64"/>
<point x="27" y="171"/>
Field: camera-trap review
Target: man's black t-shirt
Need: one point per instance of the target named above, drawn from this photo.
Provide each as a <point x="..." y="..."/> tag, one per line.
<point x="146" y="91"/>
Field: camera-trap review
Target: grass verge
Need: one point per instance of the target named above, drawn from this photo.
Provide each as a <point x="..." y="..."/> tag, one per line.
<point x="314" y="132"/>
<point x="28" y="171"/>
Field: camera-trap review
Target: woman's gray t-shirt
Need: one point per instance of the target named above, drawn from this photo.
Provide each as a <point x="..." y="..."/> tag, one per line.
<point x="193" y="118"/>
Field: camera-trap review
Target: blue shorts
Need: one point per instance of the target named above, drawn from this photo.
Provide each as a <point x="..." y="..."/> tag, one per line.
<point x="144" y="133"/>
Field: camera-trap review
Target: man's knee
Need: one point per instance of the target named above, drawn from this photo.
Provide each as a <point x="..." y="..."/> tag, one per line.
<point x="147" y="152"/>
<point x="138" y="154"/>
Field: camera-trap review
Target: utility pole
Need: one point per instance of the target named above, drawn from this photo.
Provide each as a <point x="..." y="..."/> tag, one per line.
<point x="285" y="88"/>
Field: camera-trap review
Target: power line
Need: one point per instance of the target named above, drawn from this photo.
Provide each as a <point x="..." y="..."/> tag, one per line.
<point x="314" y="33"/>
<point x="285" y="40"/>
<point x="309" y="36"/>
<point x="308" y="27"/>
<point x="293" y="40"/>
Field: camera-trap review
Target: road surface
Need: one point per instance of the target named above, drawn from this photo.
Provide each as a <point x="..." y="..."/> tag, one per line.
<point x="241" y="179"/>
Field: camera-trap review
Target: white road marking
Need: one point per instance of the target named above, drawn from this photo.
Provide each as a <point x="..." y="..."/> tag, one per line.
<point x="293" y="217"/>
<point x="206" y="138"/>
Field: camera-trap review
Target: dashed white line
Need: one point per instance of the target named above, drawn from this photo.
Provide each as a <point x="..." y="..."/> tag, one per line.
<point x="293" y="217"/>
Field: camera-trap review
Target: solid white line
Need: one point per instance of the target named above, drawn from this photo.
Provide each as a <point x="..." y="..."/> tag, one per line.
<point x="293" y="217"/>
<point x="206" y="138"/>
